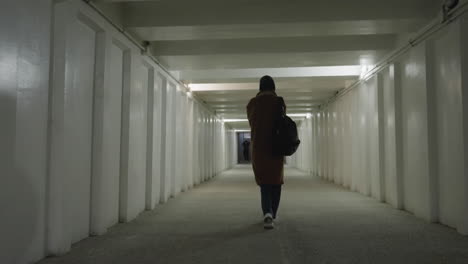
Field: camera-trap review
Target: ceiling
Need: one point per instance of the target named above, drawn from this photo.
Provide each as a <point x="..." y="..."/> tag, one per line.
<point x="312" y="48"/>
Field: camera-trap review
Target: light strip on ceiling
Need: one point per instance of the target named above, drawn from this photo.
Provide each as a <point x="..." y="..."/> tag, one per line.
<point x="235" y="120"/>
<point x="211" y="87"/>
<point x="299" y="115"/>
<point x="317" y="71"/>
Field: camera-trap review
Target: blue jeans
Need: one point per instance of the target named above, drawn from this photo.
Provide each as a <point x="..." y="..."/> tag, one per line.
<point x="271" y="195"/>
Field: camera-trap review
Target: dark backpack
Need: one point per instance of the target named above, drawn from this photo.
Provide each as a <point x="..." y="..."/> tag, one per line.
<point x="285" y="136"/>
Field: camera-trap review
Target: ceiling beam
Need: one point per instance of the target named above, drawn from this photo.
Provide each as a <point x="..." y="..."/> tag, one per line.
<point x="175" y="13"/>
<point x="278" y="30"/>
<point x="274" y="45"/>
<point x="271" y="60"/>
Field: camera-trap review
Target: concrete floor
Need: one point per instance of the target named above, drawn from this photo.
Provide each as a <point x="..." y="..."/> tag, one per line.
<point x="220" y="222"/>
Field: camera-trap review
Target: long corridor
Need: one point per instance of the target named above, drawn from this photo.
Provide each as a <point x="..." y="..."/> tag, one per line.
<point x="319" y="222"/>
<point x="122" y="124"/>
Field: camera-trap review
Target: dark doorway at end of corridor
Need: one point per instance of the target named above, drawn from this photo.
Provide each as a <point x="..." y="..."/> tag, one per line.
<point x="243" y="147"/>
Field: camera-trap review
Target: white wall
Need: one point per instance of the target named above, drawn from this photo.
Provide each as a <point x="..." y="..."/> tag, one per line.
<point x="137" y="138"/>
<point x="155" y="114"/>
<point x="446" y="53"/>
<point x="462" y="225"/>
<point x="24" y="83"/>
<point x="78" y="127"/>
<point x="391" y="124"/>
<point x="403" y="130"/>
<point x="179" y="144"/>
<point x="111" y="124"/>
<point x="119" y="135"/>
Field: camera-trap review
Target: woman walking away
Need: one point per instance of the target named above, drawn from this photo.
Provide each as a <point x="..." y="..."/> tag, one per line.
<point x="262" y="111"/>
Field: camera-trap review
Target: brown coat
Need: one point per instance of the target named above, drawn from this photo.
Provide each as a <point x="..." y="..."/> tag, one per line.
<point x="262" y="111"/>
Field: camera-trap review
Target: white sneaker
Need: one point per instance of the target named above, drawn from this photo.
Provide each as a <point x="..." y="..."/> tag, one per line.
<point x="268" y="221"/>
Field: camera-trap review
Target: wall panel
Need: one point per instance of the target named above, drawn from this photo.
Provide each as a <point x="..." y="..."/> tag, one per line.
<point x="111" y="128"/>
<point x="24" y="83"/>
<point x="446" y="65"/>
<point x="153" y="182"/>
<point x="137" y="138"/>
<point x="390" y="172"/>
<point x="415" y="134"/>
<point x="79" y="91"/>
<point x="463" y="222"/>
<point x="169" y="141"/>
<point x="373" y="142"/>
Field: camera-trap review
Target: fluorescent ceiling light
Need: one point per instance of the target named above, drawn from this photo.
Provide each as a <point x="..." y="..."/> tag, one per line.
<point x="317" y="71"/>
<point x="235" y="120"/>
<point x="210" y="87"/>
<point x="298" y="115"/>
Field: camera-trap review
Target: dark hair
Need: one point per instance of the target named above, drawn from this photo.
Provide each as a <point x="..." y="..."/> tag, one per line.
<point x="267" y="84"/>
